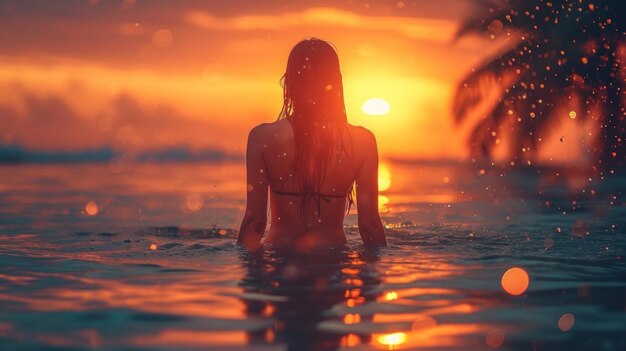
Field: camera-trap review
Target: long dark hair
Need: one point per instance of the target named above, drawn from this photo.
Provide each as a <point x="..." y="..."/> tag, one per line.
<point x="313" y="103"/>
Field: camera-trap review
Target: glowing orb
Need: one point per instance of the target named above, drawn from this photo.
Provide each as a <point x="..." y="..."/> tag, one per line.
<point x="91" y="208"/>
<point x="376" y="107"/>
<point x="515" y="281"/>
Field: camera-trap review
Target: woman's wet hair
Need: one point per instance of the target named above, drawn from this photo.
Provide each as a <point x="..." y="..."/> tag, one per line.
<point x="314" y="104"/>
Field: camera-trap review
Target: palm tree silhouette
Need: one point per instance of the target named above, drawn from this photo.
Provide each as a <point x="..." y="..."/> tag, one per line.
<point x="563" y="54"/>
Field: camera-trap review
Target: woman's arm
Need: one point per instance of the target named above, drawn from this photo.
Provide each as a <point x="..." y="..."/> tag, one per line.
<point x="255" y="218"/>
<point x="370" y="225"/>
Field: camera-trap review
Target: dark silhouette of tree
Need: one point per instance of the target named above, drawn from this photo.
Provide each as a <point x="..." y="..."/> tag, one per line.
<point x="562" y="54"/>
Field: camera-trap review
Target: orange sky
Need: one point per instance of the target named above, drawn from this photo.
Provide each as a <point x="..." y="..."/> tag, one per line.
<point x="149" y="74"/>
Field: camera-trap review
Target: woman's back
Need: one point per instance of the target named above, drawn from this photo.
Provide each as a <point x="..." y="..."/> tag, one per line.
<point x="317" y="219"/>
<point x="309" y="160"/>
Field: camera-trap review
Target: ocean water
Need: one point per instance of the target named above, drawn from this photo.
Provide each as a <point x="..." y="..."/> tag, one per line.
<point x="143" y="257"/>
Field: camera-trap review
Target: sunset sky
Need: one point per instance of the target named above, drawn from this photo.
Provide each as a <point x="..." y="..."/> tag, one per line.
<point x="151" y="74"/>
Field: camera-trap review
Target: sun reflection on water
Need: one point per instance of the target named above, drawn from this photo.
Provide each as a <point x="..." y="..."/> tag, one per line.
<point x="391" y="340"/>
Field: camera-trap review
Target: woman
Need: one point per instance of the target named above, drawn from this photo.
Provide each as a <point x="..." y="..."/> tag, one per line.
<point x="310" y="159"/>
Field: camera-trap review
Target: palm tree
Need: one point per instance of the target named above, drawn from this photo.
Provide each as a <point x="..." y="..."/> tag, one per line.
<point x="563" y="54"/>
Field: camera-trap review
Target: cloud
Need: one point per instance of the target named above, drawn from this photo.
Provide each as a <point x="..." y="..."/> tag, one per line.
<point x="48" y="122"/>
<point x="417" y="28"/>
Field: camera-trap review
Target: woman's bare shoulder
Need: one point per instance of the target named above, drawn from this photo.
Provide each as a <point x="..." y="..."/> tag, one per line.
<point x="262" y="131"/>
<point x="361" y="133"/>
<point x="271" y="133"/>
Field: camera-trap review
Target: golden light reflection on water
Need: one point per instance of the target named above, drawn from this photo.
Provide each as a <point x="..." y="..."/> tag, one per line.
<point x="391" y="340"/>
<point x="188" y="338"/>
<point x="371" y="301"/>
<point x="194" y="295"/>
<point x="400" y="187"/>
<point x="392" y="295"/>
<point x="383" y="201"/>
<point x="384" y="177"/>
<point x="377" y="308"/>
<point x="412" y="322"/>
<point x="445" y="336"/>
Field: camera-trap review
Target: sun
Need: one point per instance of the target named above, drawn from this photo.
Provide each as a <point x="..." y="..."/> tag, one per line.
<point x="376" y="107"/>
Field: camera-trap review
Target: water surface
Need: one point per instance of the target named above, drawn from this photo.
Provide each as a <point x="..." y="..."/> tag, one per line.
<point x="144" y="258"/>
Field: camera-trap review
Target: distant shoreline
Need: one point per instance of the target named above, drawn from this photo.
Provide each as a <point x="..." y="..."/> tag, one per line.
<point x="16" y="154"/>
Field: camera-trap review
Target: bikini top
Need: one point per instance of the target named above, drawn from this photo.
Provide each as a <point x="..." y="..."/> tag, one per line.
<point x="326" y="197"/>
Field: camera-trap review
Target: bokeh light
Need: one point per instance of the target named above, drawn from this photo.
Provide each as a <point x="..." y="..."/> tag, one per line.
<point x="566" y="322"/>
<point x="91" y="208"/>
<point x="515" y="281"/>
<point x="162" y="38"/>
<point x="495" y="338"/>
